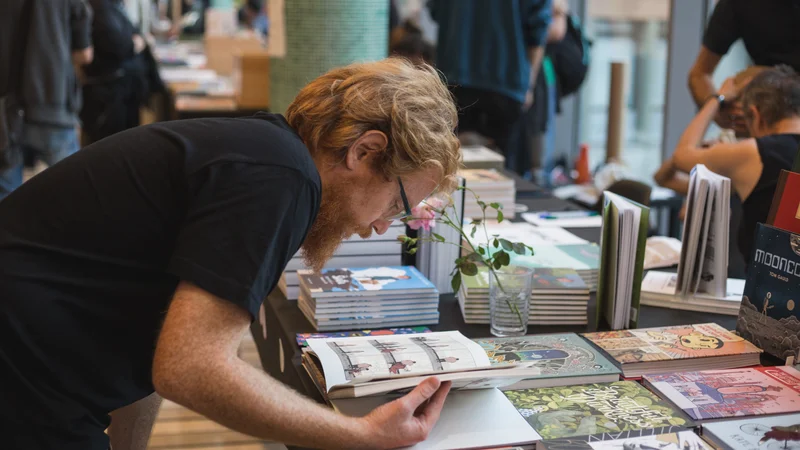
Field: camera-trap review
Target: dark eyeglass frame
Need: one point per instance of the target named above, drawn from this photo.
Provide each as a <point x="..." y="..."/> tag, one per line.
<point x="407" y="212"/>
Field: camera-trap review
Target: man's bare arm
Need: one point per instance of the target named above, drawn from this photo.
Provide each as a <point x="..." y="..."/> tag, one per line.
<point x="82" y="57"/>
<point x="196" y="365"/>
<point x="701" y="83"/>
<point x="131" y="426"/>
<point x="535" y="55"/>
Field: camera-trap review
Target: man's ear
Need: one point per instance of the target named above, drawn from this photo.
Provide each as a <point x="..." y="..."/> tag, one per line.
<point x="366" y="146"/>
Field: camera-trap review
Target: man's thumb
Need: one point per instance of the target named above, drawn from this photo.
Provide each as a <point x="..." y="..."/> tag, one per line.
<point x="422" y="392"/>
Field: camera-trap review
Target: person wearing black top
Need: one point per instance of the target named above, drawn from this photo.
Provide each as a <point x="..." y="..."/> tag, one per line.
<point x="137" y="264"/>
<point x="115" y="82"/>
<point x="768" y="29"/>
<point x="771" y="103"/>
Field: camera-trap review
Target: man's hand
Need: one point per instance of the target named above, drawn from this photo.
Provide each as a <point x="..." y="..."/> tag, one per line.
<point x="408" y="420"/>
<point x="528" y="100"/>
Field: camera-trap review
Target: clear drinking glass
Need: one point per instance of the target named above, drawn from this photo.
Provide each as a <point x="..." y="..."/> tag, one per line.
<point x="509" y="300"/>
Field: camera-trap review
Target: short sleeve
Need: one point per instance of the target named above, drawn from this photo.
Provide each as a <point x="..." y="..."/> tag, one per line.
<point x="243" y="225"/>
<point x="723" y="28"/>
<point x="537" y="15"/>
<point x="80" y="24"/>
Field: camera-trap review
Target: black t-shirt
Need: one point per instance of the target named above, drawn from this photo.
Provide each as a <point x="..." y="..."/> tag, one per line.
<point x="767" y="27"/>
<point x="92" y="249"/>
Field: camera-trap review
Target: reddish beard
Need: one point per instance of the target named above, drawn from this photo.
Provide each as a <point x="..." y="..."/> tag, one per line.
<point x="335" y="222"/>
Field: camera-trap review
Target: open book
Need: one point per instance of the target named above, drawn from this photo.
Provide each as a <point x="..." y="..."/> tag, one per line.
<point x="622" y="242"/>
<point x="704" y="253"/>
<point x="378" y="365"/>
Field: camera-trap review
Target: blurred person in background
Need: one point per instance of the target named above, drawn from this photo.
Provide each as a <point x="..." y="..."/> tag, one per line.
<point x="116" y="80"/>
<point x="408" y="41"/>
<point x="40" y="44"/>
<point x="253" y="17"/>
<point x="768" y="29"/>
<point x="771" y="105"/>
<point x="490" y="53"/>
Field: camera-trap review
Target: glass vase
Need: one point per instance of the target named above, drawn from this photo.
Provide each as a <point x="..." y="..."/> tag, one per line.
<point x="509" y="300"/>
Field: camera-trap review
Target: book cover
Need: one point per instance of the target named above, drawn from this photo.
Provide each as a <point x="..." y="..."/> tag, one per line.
<point x="633" y="440"/>
<point x="393" y="278"/>
<point x="756" y="433"/>
<point x="785" y="210"/>
<point x="769" y="316"/>
<point x="586" y="442"/>
<point x="670" y="343"/>
<point x="714" y="394"/>
<point x="303" y="337"/>
<point x="563" y="279"/>
<point x="484" y="177"/>
<point x="593" y="409"/>
<point x="555" y="355"/>
<point x="587" y="254"/>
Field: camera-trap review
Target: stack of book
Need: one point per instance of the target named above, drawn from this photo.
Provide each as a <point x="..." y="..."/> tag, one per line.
<point x="559" y="297"/>
<point x="436" y="260"/>
<point x="375" y="297"/>
<point x="658" y="289"/>
<point x="553" y="248"/>
<point x="685" y="347"/>
<point x="481" y="157"/>
<point x="492" y="187"/>
<point x="377" y="250"/>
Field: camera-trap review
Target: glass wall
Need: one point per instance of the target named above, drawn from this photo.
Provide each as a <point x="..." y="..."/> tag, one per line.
<point x="633" y="32"/>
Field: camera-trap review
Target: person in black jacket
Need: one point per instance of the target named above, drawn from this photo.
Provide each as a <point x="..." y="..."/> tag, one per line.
<point x="115" y="81"/>
<point x="39" y="43"/>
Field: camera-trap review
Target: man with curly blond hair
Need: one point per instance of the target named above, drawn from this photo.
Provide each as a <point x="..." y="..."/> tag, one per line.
<point x="131" y="270"/>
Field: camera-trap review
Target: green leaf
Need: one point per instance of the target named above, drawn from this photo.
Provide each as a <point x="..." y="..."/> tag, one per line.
<point x="469" y="269"/>
<point x="518" y="248"/>
<point x="506" y="244"/>
<point x="455" y="282"/>
<point x="482" y="205"/>
<point x="499" y="215"/>
<point x="413" y="251"/>
<point x="476" y="221"/>
<point x="402" y="238"/>
<point x="496" y="205"/>
<point x="481" y="250"/>
<point x="496" y="264"/>
<point x="495" y="243"/>
<point x="503" y="258"/>
<point x="472" y="233"/>
<point x="438" y="237"/>
<point x="474" y="256"/>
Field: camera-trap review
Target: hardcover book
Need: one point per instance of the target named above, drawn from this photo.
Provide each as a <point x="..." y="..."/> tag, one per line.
<point x="303" y="337"/>
<point x="756" y="433"/>
<point x="785" y="210"/>
<point x="769" y="316"/>
<point x="719" y="394"/>
<point x="582" y="410"/>
<point x="662" y="438"/>
<point x="561" y="359"/>
<point x="649" y="350"/>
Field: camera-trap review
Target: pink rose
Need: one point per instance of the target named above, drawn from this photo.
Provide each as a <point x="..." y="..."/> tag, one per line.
<point x="422" y="216"/>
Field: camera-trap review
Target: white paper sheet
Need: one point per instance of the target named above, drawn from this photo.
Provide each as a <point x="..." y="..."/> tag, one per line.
<point x="535" y="218"/>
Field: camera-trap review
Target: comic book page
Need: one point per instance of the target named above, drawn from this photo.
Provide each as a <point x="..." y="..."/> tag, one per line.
<point x="359" y="359"/>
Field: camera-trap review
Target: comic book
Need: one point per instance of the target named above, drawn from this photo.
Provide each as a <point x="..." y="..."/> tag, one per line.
<point x="303" y="337"/>
<point x="591" y="409"/>
<point x="379" y="365"/>
<point x="684" y="347"/>
<point x="648" y="439"/>
<point x="756" y="433"/>
<point x="719" y="394"/>
<point x="563" y="359"/>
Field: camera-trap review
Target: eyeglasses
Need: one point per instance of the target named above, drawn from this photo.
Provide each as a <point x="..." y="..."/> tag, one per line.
<point x="407" y="212"/>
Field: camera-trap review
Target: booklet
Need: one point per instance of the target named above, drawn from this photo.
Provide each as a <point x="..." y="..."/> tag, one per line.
<point x="378" y="365"/>
<point x="703" y="266"/>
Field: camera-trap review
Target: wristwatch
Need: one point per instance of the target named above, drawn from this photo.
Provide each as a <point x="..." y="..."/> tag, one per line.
<point x="720" y="98"/>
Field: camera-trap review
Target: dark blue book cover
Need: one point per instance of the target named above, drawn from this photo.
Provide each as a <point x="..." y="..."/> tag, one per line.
<point x="769" y="315"/>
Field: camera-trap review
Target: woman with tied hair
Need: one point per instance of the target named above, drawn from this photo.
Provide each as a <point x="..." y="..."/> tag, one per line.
<point x="157" y="246"/>
<point x="770" y="103"/>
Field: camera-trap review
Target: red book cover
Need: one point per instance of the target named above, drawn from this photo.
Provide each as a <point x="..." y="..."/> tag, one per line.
<point x="785" y="210"/>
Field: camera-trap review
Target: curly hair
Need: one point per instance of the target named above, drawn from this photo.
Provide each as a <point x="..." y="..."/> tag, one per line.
<point x="409" y="103"/>
<point x="775" y="92"/>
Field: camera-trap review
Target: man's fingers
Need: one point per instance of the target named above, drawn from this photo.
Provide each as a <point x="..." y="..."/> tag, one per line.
<point x="421" y="393"/>
<point x="430" y="413"/>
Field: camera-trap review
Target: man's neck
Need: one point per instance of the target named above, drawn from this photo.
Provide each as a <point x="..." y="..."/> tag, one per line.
<point x="790" y="125"/>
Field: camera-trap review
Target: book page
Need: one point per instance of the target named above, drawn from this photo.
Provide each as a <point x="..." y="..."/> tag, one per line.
<point x="691" y="236"/>
<point x="715" y="262"/>
<point x="706" y="244"/>
<point x="362" y="358"/>
<point x="662" y="251"/>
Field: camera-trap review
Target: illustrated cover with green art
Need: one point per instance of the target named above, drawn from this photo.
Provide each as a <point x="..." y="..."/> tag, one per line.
<point x="556" y="355"/>
<point x="560" y="412"/>
<point x="662" y="438"/>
